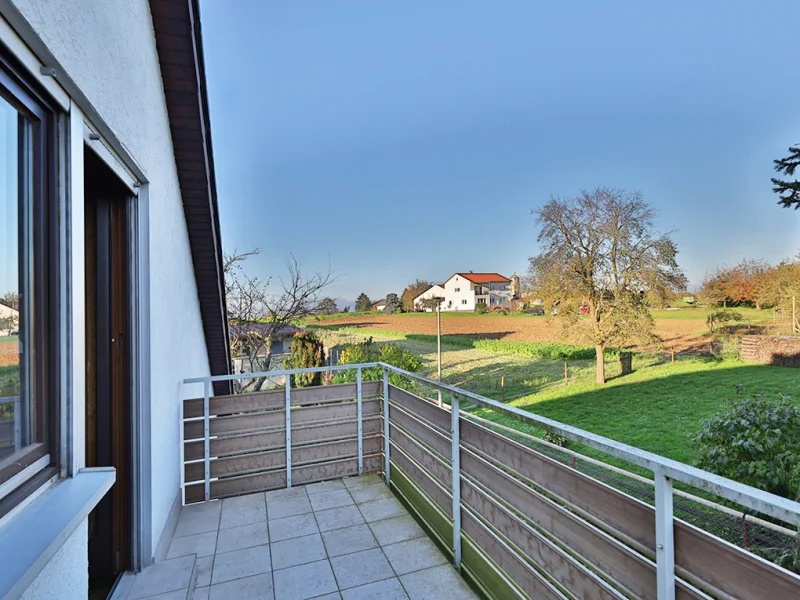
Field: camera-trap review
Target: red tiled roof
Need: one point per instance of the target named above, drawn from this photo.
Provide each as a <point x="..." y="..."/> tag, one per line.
<point x="484" y="277"/>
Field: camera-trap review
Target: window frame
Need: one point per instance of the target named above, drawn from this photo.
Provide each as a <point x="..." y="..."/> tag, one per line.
<point x="20" y="477"/>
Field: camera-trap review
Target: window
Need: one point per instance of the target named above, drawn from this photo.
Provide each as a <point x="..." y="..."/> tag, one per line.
<point x="28" y="284"/>
<point x="464" y="301"/>
<point x="457" y="290"/>
<point x="481" y="300"/>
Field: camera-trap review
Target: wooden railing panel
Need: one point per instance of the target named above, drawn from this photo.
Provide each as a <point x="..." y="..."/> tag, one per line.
<point x="242" y="464"/>
<point x="628" y="516"/>
<point x="246" y="422"/>
<point x="423" y="409"/>
<point x="225" y="446"/>
<point x="434" y="465"/>
<point x="427" y="434"/>
<point x="546" y="555"/>
<point x="423" y="480"/>
<point x="226" y="405"/>
<point x="621" y="563"/>
<point x="516" y="569"/>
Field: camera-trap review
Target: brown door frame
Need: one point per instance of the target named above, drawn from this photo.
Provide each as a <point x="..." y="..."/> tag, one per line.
<point x="110" y="427"/>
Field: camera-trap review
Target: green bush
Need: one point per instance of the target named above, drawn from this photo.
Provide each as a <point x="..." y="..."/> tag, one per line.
<point x="755" y="441"/>
<point x="367" y="352"/>
<point x="307" y="352"/>
<point x="481" y="308"/>
<point x="717" y="318"/>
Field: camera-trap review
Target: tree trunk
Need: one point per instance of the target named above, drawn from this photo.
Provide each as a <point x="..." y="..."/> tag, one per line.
<point x="600" y="371"/>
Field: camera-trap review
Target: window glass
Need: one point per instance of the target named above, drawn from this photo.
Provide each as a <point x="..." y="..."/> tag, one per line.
<point x="17" y="407"/>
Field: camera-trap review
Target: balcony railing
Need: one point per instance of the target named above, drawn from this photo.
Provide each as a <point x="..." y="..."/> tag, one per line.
<point x="515" y="521"/>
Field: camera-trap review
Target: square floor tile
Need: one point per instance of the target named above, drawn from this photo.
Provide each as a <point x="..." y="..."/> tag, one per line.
<point x="398" y="529"/>
<point x="325" y="486"/>
<point x="243" y="510"/>
<point x="359" y="568"/>
<point x="292" y="527"/>
<point x="367" y="493"/>
<point x="349" y="540"/>
<point x="166" y="576"/>
<point x="284" y="493"/>
<point x="290" y="506"/>
<point x="336" y="518"/>
<point x="305" y="581"/>
<point x="297" y="551"/>
<point x="353" y="482"/>
<point x="241" y="563"/>
<point x="198" y="518"/>
<point x="257" y="587"/>
<point x="438" y="582"/>
<point x="203" y="566"/>
<point x="201" y="544"/>
<point x="385" y="508"/>
<point x="200" y="593"/>
<point x="414" y="555"/>
<point x="388" y="589"/>
<point x="334" y="499"/>
<point x="244" y="536"/>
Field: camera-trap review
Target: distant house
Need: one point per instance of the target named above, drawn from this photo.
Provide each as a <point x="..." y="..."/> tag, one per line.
<point x="464" y="291"/>
<point x="379" y="305"/>
<point x="436" y="291"/>
<point x="9" y="320"/>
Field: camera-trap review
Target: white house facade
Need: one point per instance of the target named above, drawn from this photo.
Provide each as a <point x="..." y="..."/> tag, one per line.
<point x="116" y="256"/>
<point x="435" y="291"/>
<point x="464" y="291"/>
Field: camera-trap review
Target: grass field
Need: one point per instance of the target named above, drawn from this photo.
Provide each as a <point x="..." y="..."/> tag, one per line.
<point x="680" y="330"/>
<point x="657" y="408"/>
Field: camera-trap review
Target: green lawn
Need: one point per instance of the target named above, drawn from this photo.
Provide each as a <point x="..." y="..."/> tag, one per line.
<point x="657" y="408"/>
<point x="701" y="314"/>
<point x="8" y="338"/>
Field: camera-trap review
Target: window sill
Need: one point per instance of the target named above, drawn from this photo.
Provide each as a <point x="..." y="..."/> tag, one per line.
<point x="33" y="536"/>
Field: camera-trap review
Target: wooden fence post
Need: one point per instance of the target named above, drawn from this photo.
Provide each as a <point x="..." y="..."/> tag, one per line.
<point x="566" y="374"/>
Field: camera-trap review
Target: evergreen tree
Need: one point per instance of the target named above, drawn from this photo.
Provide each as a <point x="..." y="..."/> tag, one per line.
<point x="789" y="191"/>
<point x="392" y="304"/>
<point x="307" y="352"/>
<point x="363" y="303"/>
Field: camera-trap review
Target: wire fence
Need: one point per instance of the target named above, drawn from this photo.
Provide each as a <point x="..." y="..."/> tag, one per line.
<point x="770" y="540"/>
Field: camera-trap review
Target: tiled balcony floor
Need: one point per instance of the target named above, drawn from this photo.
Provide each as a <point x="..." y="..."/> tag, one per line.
<point x="347" y="539"/>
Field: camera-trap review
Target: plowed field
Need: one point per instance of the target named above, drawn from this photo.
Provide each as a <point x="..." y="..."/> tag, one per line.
<point x="677" y="334"/>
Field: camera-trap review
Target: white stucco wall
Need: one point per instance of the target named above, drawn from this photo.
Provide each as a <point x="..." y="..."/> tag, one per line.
<point x="454" y="299"/>
<point x="108" y="49"/>
<point x="433" y="292"/>
<point x="66" y="576"/>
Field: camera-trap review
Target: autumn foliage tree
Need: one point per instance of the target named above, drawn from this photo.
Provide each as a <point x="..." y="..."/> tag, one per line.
<point x="412" y="291"/>
<point x="600" y="249"/>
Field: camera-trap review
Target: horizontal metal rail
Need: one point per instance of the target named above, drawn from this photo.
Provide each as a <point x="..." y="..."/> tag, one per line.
<point x="758" y="500"/>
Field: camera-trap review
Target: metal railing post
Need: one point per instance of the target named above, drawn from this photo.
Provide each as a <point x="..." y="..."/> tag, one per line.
<point x="665" y="546"/>
<point x="18" y="423"/>
<point x="456" y="481"/>
<point x="386" y="465"/>
<point x="360" y="424"/>
<point x="288" y="431"/>
<point x="206" y="434"/>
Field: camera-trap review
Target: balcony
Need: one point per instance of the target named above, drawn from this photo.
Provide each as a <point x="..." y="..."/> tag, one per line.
<point x="371" y="490"/>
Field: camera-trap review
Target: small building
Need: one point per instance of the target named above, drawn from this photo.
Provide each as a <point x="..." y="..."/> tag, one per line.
<point x="435" y="291"/>
<point x="465" y="291"/>
<point x="379" y="305"/>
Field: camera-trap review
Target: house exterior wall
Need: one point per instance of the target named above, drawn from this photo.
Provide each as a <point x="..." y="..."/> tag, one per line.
<point x="108" y="49"/>
<point x="435" y="291"/>
<point x="66" y="576"/>
<point x="460" y="294"/>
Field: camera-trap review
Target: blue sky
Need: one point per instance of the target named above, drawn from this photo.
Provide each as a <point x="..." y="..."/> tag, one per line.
<point x="412" y="139"/>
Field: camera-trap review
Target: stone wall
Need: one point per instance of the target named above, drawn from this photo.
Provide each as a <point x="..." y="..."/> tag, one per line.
<point x="771" y="350"/>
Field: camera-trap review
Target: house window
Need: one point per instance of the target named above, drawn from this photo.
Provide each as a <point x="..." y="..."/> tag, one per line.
<point x="481" y="300"/>
<point x="28" y="301"/>
<point x="464" y="301"/>
<point x="457" y="290"/>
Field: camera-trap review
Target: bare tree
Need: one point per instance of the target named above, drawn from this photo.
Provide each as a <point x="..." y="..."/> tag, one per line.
<point x="259" y="313"/>
<point x="600" y="250"/>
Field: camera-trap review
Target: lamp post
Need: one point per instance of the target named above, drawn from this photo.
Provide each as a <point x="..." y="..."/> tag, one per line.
<point x="439" y="344"/>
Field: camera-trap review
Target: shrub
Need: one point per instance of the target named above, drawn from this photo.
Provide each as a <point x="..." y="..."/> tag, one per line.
<point x="481" y="308"/>
<point x="719" y="317"/>
<point x="307" y="352"/>
<point x="755" y="441"/>
<point x="367" y="352"/>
